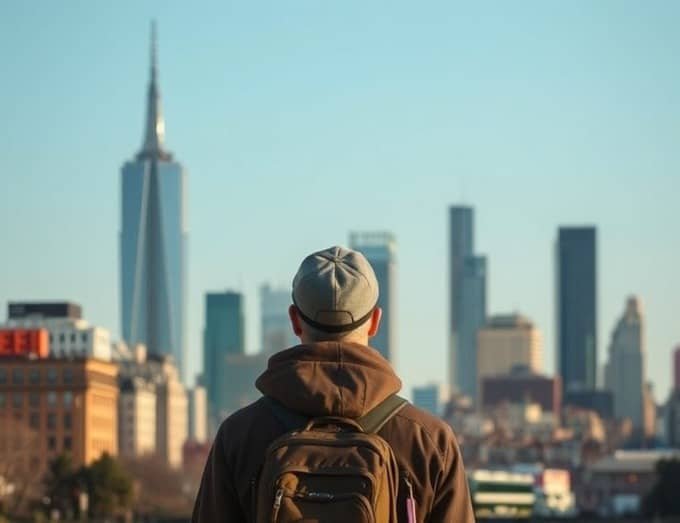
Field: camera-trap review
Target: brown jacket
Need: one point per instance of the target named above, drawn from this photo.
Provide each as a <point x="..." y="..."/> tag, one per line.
<point x="340" y="379"/>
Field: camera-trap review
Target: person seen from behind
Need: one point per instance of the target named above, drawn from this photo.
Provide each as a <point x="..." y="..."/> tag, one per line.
<point x="330" y="441"/>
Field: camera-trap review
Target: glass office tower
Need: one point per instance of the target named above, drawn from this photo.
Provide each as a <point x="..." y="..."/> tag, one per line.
<point x="467" y="301"/>
<point x="380" y="249"/>
<point x="577" y="308"/>
<point x="224" y="334"/>
<point x="153" y="240"/>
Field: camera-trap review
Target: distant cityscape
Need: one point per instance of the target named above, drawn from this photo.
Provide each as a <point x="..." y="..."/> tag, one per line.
<point x="585" y="440"/>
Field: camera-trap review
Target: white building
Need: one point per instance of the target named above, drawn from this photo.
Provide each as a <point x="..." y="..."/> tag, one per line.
<point x="137" y="417"/>
<point x="275" y="328"/>
<point x="69" y="334"/>
<point x="160" y="373"/>
<point x="198" y="414"/>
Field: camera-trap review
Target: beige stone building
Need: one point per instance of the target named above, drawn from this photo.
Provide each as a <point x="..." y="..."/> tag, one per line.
<point x="136" y="417"/>
<point x="172" y="428"/>
<point x="53" y="406"/>
<point x="158" y="375"/>
<point x="198" y="414"/>
<point x="505" y="342"/>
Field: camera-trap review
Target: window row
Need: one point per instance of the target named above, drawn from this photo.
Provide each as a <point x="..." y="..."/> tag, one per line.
<point x="73" y="337"/>
<point x="52" y="399"/>
<point x="51" y="376"/>
<point x="51" y="421"/>
<point x="52" y="443"/>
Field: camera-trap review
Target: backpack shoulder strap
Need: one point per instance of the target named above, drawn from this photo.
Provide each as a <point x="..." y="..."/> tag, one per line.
<point x="377" y="417"/>
<point x="371" y="422"/>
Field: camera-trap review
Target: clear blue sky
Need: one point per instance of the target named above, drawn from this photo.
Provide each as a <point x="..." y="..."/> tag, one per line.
<point x="300" y="121"/>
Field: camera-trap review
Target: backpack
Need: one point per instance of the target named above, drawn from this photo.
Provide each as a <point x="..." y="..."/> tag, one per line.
<point x="331" y="470"/>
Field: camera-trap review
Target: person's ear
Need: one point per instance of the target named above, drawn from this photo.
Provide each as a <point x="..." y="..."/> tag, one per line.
<point x="295" y="321"/>
<point x="376" y="316"/>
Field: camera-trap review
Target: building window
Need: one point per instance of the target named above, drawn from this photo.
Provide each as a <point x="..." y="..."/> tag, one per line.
<point x="17" y="376"/>
<point x="68" y="399"/>
<point x="3" y="376"/>
<point x="68" y="422"/>
<point x="68" y="443"/>
<point x="51" y="375"/>
<point x="62" y="338"/>
<point x="73" y="337"/>
<point x="34" y="376"/>
<point x="68" y="375"/>
<point x="2" y="400"/>
<point x="51" y="443"/>
<point x="51" y="399"/>
<point x="34" y="399"/>
<point x="34" y="420"/>
<point x="51" y="421"/>
<point x="83" y="337"/>
<point x="51" y="338"/>
<point x="18" y="400"/>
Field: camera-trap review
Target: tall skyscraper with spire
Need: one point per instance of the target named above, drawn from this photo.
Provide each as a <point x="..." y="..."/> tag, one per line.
<point x="153" y="238"/>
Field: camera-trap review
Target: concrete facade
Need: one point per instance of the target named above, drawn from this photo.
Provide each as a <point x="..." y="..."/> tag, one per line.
<point x="507" y="342"/>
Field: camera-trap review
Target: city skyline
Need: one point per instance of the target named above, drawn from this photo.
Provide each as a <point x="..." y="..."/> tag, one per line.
<point x="601" y="155"/>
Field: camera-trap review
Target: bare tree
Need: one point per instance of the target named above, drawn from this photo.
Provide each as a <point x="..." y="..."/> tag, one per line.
<point x="20" y="469"/>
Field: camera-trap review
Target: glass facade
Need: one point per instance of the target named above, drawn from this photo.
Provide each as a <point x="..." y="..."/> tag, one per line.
<point x="380" y="248"/>
<point x="275" y="328"/>
<point x="224" y="334"/>
<point x="467" y="301"/>
<point x="153" y="250"/>
<point x="153" y="241"/>
<point x="577" y="307"/>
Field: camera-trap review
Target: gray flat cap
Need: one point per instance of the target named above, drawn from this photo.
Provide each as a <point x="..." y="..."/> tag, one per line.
<point x="335" y="290"/>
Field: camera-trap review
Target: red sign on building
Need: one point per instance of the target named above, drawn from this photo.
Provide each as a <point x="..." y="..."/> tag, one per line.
<point x="24" y="342"/>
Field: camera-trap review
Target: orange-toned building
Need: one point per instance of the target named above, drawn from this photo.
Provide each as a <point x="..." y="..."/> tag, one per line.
<point x="19" y="342"/>
<point x="52" y="406"/>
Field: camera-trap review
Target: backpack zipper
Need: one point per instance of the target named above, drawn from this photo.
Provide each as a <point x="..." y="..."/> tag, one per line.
<point x="277" y="505"/>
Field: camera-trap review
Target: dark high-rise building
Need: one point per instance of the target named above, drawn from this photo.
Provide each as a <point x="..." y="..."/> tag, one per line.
<point x="224" y="335"/>
<point x="153" y="240"/>
<point x="380" y="249"/>
<point x="65" y="309"/>
<point x="676" y="367"/>
<point x="577" y="307"/>
<point x="467" y="301"/>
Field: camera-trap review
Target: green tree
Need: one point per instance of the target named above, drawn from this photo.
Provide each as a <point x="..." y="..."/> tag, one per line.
<point x="664" y="498"/>
<point x="60" y="481"/>
<point x="109" y="486"/>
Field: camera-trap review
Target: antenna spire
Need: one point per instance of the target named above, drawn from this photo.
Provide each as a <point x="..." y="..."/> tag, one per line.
<point x="155" y="125"/>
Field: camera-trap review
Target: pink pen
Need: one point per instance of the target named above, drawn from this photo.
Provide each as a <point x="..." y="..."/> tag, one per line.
<point x="410" y="502"/>
<point x="411" y="510"/>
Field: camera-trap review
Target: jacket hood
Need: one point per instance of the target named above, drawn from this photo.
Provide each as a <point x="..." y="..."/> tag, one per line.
<point x="329" y="378"/>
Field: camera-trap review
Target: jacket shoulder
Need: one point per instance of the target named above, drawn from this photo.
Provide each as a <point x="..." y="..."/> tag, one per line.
<point x="431" y="431"/>
<point x="248" y="425"/>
